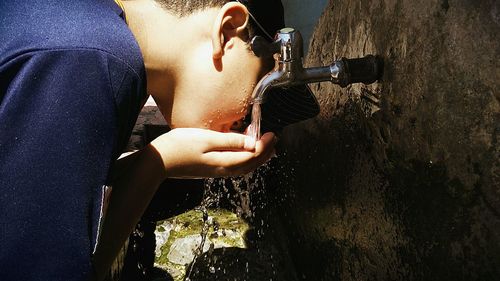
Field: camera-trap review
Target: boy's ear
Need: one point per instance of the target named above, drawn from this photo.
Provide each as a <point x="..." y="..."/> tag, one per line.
<point x="231" y="22"/>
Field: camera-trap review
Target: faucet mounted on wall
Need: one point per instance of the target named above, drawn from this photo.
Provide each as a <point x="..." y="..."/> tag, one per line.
<point x="287" y="50"/>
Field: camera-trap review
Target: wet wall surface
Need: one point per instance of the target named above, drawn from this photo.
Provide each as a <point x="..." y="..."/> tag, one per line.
<point x="399" y="180"/>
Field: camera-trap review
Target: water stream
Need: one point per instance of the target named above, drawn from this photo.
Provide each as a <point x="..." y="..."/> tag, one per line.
<point x="254" y="128"/>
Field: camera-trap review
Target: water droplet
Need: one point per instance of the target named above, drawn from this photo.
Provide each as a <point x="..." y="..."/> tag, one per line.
<point x="211" y="269"/>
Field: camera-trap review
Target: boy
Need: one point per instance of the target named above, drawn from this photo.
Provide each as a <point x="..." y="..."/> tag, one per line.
<point x="73" y="78"/>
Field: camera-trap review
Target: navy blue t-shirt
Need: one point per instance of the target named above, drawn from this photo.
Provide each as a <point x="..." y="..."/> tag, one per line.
<point x="72" y="82"/>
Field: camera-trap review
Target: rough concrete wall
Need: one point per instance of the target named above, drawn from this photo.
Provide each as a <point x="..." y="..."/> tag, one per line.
<point x="400" y="180"/>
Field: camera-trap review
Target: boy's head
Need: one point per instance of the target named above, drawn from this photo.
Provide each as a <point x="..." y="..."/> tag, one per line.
<point x="200" y="67"/>
<point x="201" y="70"/>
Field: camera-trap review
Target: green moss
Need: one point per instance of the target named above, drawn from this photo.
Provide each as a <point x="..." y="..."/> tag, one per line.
<point x="191" y="223"/>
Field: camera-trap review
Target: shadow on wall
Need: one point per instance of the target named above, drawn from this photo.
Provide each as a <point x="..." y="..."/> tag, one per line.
<point x="400" y="180"/>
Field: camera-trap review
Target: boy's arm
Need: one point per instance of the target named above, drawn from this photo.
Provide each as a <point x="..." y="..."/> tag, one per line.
<point x="179" y="153"/>
<point x="137" y="176"/>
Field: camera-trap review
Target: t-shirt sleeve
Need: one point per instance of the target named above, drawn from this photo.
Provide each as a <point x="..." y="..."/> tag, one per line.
<point x="59" y="125"/>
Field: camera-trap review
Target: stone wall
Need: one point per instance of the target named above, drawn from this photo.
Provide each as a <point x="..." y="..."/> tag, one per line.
<point x="399" y="180"/>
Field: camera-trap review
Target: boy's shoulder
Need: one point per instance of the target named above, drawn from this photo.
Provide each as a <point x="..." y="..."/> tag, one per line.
<point x="45" y="25"/>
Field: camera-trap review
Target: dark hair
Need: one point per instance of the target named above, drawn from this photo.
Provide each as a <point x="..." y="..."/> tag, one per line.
<point x="183" y="8"/>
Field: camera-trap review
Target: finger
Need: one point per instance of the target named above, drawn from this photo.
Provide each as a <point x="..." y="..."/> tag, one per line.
<point x="230" y="141"/>
<point x="264" y="152"/>
<point x="254" y="163"/>
<point x="232" y="163"/>
<point x="229" y="163"/>
<point x="266" y="142"/>
<point x="226" y="157"/>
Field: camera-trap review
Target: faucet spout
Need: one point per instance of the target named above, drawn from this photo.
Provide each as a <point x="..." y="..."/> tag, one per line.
<point x="270" y="80"/>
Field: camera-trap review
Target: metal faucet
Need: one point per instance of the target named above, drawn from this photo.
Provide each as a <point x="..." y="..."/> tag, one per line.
<point x="287" y="50"/>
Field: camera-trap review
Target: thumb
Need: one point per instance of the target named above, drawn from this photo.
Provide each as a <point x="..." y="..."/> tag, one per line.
<point x="231" y="141"/>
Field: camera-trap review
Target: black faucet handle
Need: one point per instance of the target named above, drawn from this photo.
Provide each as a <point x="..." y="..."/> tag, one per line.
<point x="262" y="48"/>
<point x="362" y="70"/>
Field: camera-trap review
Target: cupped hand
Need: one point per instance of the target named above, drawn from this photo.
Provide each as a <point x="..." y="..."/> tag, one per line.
<point x="196" y="153"/>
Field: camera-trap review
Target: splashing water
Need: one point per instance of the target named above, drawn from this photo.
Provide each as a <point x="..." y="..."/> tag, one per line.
<point x="254" y="128"/>
<point x="244" y="186"/>
<point x="204" y="232"/>
<point x="209" y="198"/>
